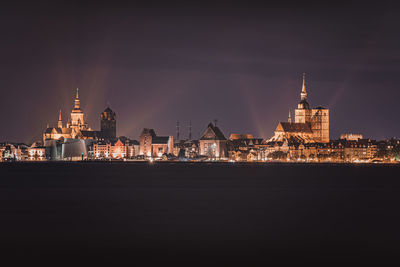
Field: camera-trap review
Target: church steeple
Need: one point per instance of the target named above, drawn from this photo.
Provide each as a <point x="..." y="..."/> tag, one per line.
<point x="77" y="102"/>
<point x="289" y="118"/>
<point x="59" y="120"/>
<point x="303" y="89"/>
<point x="303" y="102"/>
<point x="77" y="120"/>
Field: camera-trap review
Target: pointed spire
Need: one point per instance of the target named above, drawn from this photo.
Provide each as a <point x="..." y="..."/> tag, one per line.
<point x="77" y="102"/>
<point x="59" y="120"/>
<point x="289" y="118"/>
<point x="303" y="89"/>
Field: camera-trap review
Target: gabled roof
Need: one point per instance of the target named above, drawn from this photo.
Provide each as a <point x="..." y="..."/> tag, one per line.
<point x="293" y="127"/>
<point x="118" y="143"/>
<point x="213" y="133"/>
<point x="48" y="130"/>
<point x="58" y="130"/>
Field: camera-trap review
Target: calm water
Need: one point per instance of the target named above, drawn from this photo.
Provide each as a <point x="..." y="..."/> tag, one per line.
<point x="123" y="212"/>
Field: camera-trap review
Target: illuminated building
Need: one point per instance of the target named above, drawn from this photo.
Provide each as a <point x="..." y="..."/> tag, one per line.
<point x="122" y="148"/>
<point x="155" y="146"/>
<point x="310" y="125"/>
<point x="213" y="143"/>
<point x="77" y="128"/>
<point x="351" y="136"/>
<point x="36" y="152"/>
<point x="244" y="147"/>
<point x="77" y="122"/>
<point x="186" y="148"/>
<point x="73" y="128"/>
<point x="11" y="152"/>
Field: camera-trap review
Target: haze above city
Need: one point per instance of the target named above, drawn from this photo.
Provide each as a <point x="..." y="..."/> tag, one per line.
<point x="158" y="64"/>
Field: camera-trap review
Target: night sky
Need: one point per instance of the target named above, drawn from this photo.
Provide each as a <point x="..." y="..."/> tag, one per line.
<point x="159" y="63"/>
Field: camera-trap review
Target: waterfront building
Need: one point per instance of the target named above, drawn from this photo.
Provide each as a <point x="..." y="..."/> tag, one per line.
<point x="362" y="149"/>
<point x="36" y="152"/>
<point x="13" y="151"/>
<point x="213" y="143"/>
<point x="186" y="148"/>
<point x="340" y="150"/>
<point x="310" y="125"/>
<point x="244" y="147"/>
<point x="155" y="146"/>
<point x="121" y="148"/>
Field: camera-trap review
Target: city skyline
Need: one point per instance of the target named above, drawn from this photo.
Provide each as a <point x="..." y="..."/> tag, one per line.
<point x="183" y="130"/>
<point x="159" y="65"/>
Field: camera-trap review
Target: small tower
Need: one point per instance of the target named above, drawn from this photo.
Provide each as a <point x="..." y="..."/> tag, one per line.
<point x="289" y="118"/>
<point x="108" y="124"/>
<point x="59" y="125"/>
<point x="303" y="89"/>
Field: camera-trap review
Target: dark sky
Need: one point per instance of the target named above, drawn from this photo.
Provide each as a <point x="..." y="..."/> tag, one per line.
<point x="159" y="63"/>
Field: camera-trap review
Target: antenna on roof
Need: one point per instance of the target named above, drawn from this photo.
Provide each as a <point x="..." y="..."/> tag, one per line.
<point x="108" y="104"/>
<point x="215" y="122"/>
<point x="177" y="130"/>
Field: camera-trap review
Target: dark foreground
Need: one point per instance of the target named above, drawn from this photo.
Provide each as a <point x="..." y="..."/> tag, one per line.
<point x="125" y="213"/>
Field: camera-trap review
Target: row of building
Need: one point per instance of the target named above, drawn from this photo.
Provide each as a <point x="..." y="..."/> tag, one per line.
<point x="212" y="146"/>
<point x="306" y="138"/>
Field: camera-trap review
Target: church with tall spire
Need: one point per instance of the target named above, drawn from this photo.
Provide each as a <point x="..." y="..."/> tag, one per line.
<point x="309" y="126"/>
<point x="77" y="117"/>
<point x="77" y="127"/>
<point x="74" y="128"/>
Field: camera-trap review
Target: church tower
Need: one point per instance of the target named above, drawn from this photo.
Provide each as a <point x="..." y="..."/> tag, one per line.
<point x="303" y="111"/>
<point x="108" y="124"/>
<point x="77" y="120"/>
<point x="311" y="125"/>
